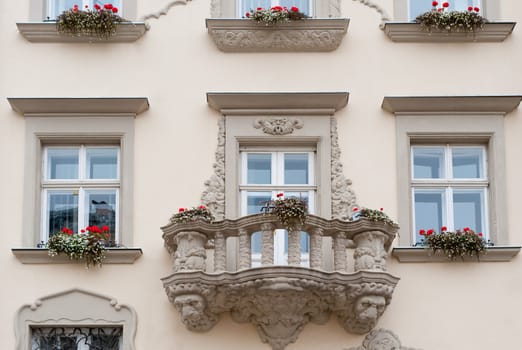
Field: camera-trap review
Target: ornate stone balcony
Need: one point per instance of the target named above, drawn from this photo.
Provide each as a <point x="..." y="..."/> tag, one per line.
<point x="280" y="300"/>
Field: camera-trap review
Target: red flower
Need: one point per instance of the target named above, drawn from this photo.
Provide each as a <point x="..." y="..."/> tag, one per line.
<point x="381" y="209"/>
<point x="82" y="230"/>
<point x="470" y="8"/>
<point x="202" y="207"/>
<point x="422" y="232"/>
<point x="97" y="7"/>
<point x="75" y="6"/>
<point x="70" y="232"/>
<point x="86" y="6"/>
<point x="277" y="8"/>
<point x="64" y="229"/>
<point x="430" y="232"/>
<point x="439" y="9"/>
<point x="466" y="229"/>
<point x="476" y="9"/>
<point x="480" y="234"/>
<point x="114" y="10"/>
<point x="281" y="194"/>
<point x="294" y="9"/>
<point x="105" y="228"/>
<point x="355" y="208"/>
<point x="445" y="4"/>
<point x="75" y="9"/>
<point x="444" y="229"/>
<point x="434" y="4"/>
<point x="259" y="9"/>
<point x="107" y="6"/>
<point x="181" y="210"/>
<point x="247" y="14"/>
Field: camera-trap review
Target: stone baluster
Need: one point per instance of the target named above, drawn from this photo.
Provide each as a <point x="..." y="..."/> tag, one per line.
<point x="244" y="249"/>
<point x="219" y="252"/>
<point x="267" y="249"/>
<point x="294" y="246"/>
<point x="370" y="253"/>
<point x="190" y="251"/>
<point x="339" y="247"/>
<point x="316" y="248"/>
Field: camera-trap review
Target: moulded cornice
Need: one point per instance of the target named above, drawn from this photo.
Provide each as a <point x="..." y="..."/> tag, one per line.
<point x="500" y="104"/>
<point x="245" y="35"/>
<point x="419" y="254"/>
<point x="46" y="32"/>
<point x="41" y="256"/>
<point x="273" y="103"/>
<point x="412" y="32"/>
<point x="41" y="106"/>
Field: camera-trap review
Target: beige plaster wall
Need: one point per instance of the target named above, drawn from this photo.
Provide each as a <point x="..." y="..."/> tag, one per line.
<point x="435" y="306"/>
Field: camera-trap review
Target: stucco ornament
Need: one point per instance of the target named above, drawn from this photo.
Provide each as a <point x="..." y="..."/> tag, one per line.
<point x="278" y="126"/>
<point x="371" y="4"/>
<point x="163" y="12"/>
<point x="190" y="253"/>
<point x="213" y="197"/>
<point x="193" y="312"/>
<point x="381" y="339"/>
<point x="343" y="196"/>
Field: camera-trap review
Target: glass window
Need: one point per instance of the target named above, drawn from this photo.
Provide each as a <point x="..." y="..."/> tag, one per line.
<point x="56" y="7"/>
<point x="417" y="7"/>
<point x="247" y="5"/>
<point x="76" y="338"/>
<point x="80" y="188"/>
<point x="449" y="188"/>
<point x="296" y="168"/>
<point x="259" y="168"/>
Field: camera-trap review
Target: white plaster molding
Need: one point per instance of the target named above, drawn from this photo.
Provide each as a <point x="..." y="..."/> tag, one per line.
<point x="163" y="12"/>
<point x="343" y="196"/>
<point x="379" y="9"/>
<point x="75" y="307"/>
<point x="278" y="126"/>
<point x="381" y="339"/>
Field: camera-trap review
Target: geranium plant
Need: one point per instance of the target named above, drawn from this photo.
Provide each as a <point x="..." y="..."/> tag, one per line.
<point x="98" y="22"/>
<point x="372" y="215"/>
<point x="275" y="14"/>
<point x="290" y="211"/>
<point x="86" y="245"/>
<point x="193" y="214"/>
<point x="456" y="244"/>
<point x="439" y="18"/>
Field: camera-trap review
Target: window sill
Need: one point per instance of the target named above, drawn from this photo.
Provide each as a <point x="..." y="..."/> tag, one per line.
<point x="245" y="35"/>
<point x="46" y="32"/>
<point x="418" y="254"/>
<point x="412" y="32"/>
<point x="41" y="256"/>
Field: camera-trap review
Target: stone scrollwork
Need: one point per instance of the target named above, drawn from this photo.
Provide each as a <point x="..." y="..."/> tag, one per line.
<point x="343" y="197"/>
<point x="214" y="194"/>
<point x="381" y="339"/>
<point x="278" y="126"/>
<point x="379" y="9"/>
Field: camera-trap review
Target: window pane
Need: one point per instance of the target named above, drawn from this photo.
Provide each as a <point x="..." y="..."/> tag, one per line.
<point x="102" y="209"/>
<point x="58" y="6"/>
<point x="247" y="5"/>
<point x="62" y="211"/>
<point x="303" y="5"/>
<point x="462" y="5"/>
<point x="259" y="168"/>
<point x="62" y="163"/>
<point x="416" y="7"/>
<point x="102" y="163"/>
<point x="428" y="162"/>
<point x="468" y="209"/>
<point x="429" y="210"/>
<point x="296" y="168"/>
<point x="468" y="162"/>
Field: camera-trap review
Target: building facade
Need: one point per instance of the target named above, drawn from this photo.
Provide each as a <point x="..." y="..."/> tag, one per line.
<point x="192" y="104"/>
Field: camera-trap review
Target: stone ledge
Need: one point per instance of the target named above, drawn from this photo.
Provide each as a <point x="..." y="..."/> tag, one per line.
<point x="244" y="35"/>
<point x="419" y="254"/>
<point x="46" y="32"/>
<point x="412" y="32"/>
<point x="41" y="256"/>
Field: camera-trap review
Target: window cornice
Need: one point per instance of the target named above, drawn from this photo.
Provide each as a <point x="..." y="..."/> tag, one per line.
<point x="489" y="104"/>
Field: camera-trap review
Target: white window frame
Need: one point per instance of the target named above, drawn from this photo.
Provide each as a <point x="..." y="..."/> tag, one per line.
<point x="447" y="184"/>
<point x="81" y="185"/>
<point x="277" y="186"/>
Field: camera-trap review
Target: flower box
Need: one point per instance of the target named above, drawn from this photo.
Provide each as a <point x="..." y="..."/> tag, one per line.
<point x="413" y="32"/>
<point x="245" y="35"/>
<point x="46" y="32"/>
<point x="423" y="255"/>
<point x="41" y="256"/>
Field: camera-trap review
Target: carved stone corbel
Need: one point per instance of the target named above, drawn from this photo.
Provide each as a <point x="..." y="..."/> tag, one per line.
<point x="381" y="339"/>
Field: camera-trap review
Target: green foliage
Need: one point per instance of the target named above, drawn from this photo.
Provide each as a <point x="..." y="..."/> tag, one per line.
<point x="193" y="214"/>
<point x="289" y="211"/>
<point x="79" y="246"/>
<point x="455" y="244"/>
<point x="275" y="14"/>
<point x="453" y="21"/>
<point x="97" y="23"/>
<point x="372" y="215"/>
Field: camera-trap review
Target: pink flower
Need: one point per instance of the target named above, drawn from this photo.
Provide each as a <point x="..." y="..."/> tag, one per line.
<point x="294" y="9"/>
<point x="444" y="229"/>
<point x="114" y="10"/>
<point x="476" y="9"/>
<point x="180" y="210"/>
<point x="434" y="4"/>
<point x="445" y="4"/>
<point x="355" y="209"/>
<point x="422" y="232"/>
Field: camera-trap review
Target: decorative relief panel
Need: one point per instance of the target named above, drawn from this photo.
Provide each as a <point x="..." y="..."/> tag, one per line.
<point x="243" y="35"/>
<point x="381" y="339"/>
<point x="278" y="126"/>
